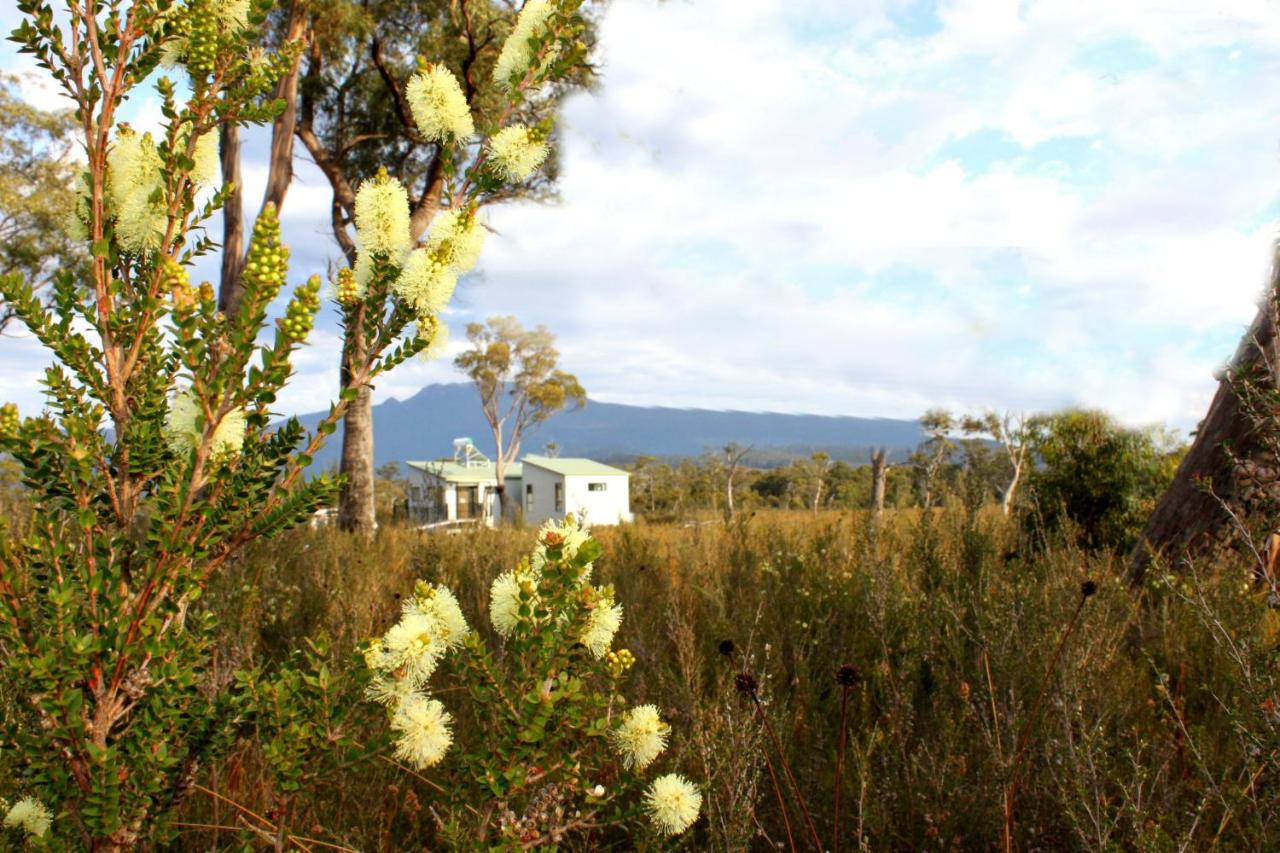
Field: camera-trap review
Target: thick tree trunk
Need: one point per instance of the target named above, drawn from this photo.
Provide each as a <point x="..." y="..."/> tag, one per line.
<point x="356" y="499"/>
<point x="501" y="489"/>
<point x="230" y="287"/>
<point x="279" y="174"/>
<point x="1189" y="518"/>
<point x="879" y="473"/>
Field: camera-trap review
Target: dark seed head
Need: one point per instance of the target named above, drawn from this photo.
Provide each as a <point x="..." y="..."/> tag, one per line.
<point x="726" y="647"/>
<point x="746" y="684"/>
<point x="1088" y="588"/>
<point x="847" y="675"/>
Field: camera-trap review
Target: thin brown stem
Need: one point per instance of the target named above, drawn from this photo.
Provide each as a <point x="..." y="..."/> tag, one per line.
<point x="786" y="769"/>
<point x="1024" y="737"/>
<point x="839" y="781"/>
<point x="777" y="791"/>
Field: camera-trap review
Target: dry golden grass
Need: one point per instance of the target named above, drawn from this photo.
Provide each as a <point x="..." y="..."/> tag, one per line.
<point x="1153" y="730"/>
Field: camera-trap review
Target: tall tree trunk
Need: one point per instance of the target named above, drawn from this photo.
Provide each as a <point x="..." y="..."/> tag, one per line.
<point x="230" y="288"/>
<point x="728" y="493"/>
<point x="356" y="499"/>
<point x="879" y="473"/>
<point x="728" y="489"/>
<point x="1188" y="519"/>
<point x="279" y="173"/>
<point x="1006" y="502"/>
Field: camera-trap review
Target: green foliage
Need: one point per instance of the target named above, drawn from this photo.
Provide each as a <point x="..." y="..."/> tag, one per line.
<point x="543" y="762"/>
<point x="157" y="459"/>
<point x="37" y="189"/>
<point x="1096" y="476"/>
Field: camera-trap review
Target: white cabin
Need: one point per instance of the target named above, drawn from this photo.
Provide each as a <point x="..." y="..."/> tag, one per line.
<point x="552" y="487"/>
<point x="462" y="489"/>
<point x="465" y="489"/>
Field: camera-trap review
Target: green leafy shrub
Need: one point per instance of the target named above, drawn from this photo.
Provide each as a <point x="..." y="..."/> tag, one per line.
<point x="556" y="753"/>
<point x="158" y="458"/>
<point x="1096" y="477"/>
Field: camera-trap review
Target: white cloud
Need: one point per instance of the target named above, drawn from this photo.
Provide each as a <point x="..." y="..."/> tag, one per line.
<point x="764" y="206"/>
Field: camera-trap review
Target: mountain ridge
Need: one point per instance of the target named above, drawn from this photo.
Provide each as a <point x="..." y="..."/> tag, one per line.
<point x="424" y="425"/>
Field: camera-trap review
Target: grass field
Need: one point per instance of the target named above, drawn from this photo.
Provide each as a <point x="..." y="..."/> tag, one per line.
<point x="1153" y="727"/>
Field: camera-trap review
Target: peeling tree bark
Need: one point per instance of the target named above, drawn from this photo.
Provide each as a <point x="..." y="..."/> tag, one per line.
<point x="356" y="499"/>
<point x="1189" y="518"/>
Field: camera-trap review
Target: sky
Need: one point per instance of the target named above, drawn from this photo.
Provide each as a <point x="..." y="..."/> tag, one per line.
<point x="872" y="208"/>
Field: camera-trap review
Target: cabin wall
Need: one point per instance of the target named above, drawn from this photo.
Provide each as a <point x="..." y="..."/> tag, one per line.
<point x="542" y="506"/>
<point x="610" y="506"/>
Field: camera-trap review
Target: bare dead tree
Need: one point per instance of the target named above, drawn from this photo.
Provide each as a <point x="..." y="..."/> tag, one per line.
<point x="821" y="462"/>
<point x="879" y="475"/>
<point x="1012" y="431"/>
<point x="734" y="453"/>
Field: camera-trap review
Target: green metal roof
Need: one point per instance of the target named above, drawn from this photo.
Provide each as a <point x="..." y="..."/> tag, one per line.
<point x="452" y="472"/>
<point x="575" y="467"/>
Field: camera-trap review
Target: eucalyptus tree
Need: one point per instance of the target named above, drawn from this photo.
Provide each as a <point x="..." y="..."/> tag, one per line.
<point x="348" y="102"/>
<point x="1013" y="432"/>
<point x="37" y="187"/>
<point x="517" y="374"/>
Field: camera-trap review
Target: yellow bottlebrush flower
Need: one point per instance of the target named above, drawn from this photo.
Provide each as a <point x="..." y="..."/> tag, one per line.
<point x="233" y="15"/>
<point x="439" y="603"/>
<point x="456" y="238"/>
<point x="208" y="166"/>
<point x="230" y="16"/>
<point x="437" y="333"/>
<point x="345" y="289"/>
<point x="414" y="645"/>
<point x="9" y="419"/>
<point x="382" y="217"/>
<point x="134" y="175"/>
<point x="641" y="736"/>
<point x="603" y="622"/>
<point x="31" y="816"/>
<point x="76" y="220"/>
<point x="425" y="729"/>
<point x="515" y="153"/>
<point x="439" y="108"/>
<point x="362" y="274"/>
<point x="425" y="282"/>
<point x="388" y="690"/>
<point x="184" y="435"/>
<point x="504" y="600"/>
<point x="673" y="803"/>
<point x="374" y="654"/>
<point x="516" y="55"/>
<point x="569" y="535"/>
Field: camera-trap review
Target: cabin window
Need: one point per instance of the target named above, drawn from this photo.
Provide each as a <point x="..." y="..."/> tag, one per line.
<point x="528" y="497"/>
<point x="559" y="497"/>
<point x="597" y="487"/>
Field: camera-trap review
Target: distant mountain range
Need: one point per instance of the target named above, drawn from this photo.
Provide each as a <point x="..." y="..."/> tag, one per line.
<point x="424" y="426"/>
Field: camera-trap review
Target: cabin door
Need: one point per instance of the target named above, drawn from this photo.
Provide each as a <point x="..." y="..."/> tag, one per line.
<point x="468" y="502"/>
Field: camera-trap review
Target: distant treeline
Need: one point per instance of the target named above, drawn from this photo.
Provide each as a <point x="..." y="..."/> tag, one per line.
<point x="1077" y="468"/>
